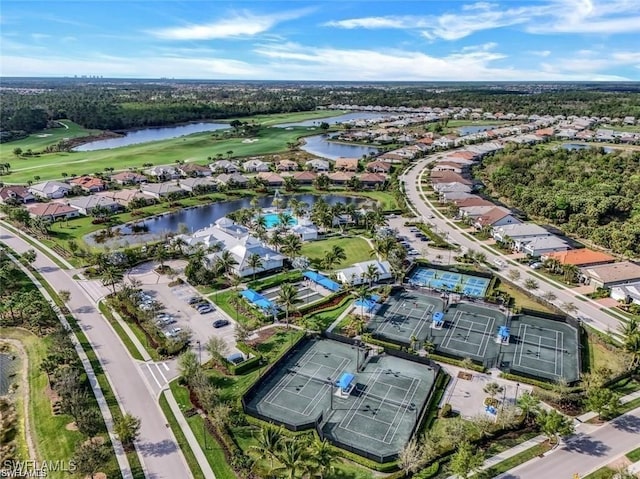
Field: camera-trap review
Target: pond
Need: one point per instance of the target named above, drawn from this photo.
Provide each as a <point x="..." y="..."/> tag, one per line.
<point x="582" y="146"/>
<point x="469" y="130"/>
<point x="332" y="120"/>
<point x="202" y="216"/>
<point x="8" y="369"/>
<point x="320" y="145"/>
<point x="150" y="134"/>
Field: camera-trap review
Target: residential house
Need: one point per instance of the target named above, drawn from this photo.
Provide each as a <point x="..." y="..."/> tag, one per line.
<point x="518" y="231"/>
<point x="128" y="178"/>
<point x="497" y="216"/>
<point x="232" y="180"/>
<point x="305" y="229"/>
<point x="304" y="177"/>
<point x="125" y="196"/>
<point x="379" y="167"/>
<point x="224" y="166"/>
<point x="16" y="194"/>
<point x="450" y="166"/>
<point x="50" y="189"/>
<point x="627" y="293"/>
<point x="582" y="257"/>
<point x="442" y="188"/>
<point x="90" y="184"/>
<point x="475" y="211"/>
<point x="317" y="165"/>
<point x="340" y="177"/>
<point x="609" y="275"/>
<point x="392" y="157"/>
<point x="163" y="173"/>
<point x="52" y="211"/>
<point x="371" y="180"/>
<point x="449" y="177"/>
<point x="273" y="180"/>
<point x="539" y="245"/>
<point x="356" y="273"/>
<point x="287" y="165"/>
<point x="471" y="200"/>
<point x="193" y="170"/>
<point x="255" y="165"/>
<point x="447" y="196"/>
<point x="161" y="190"/>
<point x="346" y="164"/>
<point x="86" y="204"/>
<point x="191" y="184"/>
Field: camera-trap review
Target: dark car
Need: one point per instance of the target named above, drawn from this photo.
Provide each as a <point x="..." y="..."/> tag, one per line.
<point x="194" y="299"/>
<point x="220" y="323"/>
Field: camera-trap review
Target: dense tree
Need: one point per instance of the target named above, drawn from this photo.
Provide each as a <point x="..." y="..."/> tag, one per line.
<point x="466" y="460"/>
<point x="553" y="424"/>
<point x="127" y="428"/>
<point x="91" y="456"/>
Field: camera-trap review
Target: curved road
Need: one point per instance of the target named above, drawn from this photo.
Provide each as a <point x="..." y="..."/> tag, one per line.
<point x="587" y="309"/>
<point x="156" y="446"/>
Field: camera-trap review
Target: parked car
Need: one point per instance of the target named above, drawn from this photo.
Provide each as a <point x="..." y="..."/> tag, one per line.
<point x="536" y="265"/>
<point x="172" y="333"/>
<point x="220" y="323"/>
<point x="194" y="299"/>
<point x="413" y="252"/>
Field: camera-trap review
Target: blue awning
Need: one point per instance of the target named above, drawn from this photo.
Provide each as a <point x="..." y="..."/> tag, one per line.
<point x="438" y="317"/>
<point x="503" y="332"/>
<point x="322" y="280"/>
<point x="257" y="299"/>
<point x="345" y="380"/>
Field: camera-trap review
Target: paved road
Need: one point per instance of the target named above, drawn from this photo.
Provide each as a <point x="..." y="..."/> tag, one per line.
<point x="589" y="310"/>
<point x="156" y="445"/>
<point x="584" y="451"/>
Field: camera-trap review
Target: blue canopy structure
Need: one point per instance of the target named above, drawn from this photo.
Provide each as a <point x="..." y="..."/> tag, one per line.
<point x="345" y="381"/>
<point x="503" y="332"/>
<point x="322" y="280"/>
<point x="375" y="297"/>
<point x="438" y="317"/>
<point x="257" y="299"/>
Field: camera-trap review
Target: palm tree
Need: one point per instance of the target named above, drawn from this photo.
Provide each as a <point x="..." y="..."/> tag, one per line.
<point x="528" y="404"/>
<point x="276" y="239"/>
<point x="225" y="262"/>
<point x="295" y="460"/>
<point x="268" y="442"/>
<point x="284" y="220"/>
<point x="291" y="245"/>
<point x="362" y="293"/>
<point x="287" y="297"/>
<point x="323" y="456"/>
<point x="329" y="260"/>
<point x="382" y="247"/>
<point x="371" y="274"/>
<point x="111" y="277"/>
<point x="493" y="389"/>
<point x="254" y="262"/>
<point x="570" y="272"/>
<point x="339" y="253"/>
<point x="160" y="256"/>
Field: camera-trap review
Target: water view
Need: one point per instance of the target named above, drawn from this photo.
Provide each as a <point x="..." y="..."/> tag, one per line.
<point x="272" y="220"/>
<point x="332" y="120"/>
<point x="202" y="216"/>
<point x="469" y="130"/>
<point x="8" y="368"/>
<point x="582" y="146"/>
<point x="320" y="145"/>
<point x="150" y="134"/>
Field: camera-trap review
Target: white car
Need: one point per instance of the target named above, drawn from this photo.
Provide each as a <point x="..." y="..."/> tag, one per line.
<point x="413" y="252"/>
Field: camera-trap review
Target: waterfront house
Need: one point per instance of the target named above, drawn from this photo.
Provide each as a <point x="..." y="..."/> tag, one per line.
<point x="317" y="165"/>
<point x="86" y="204"/>
<point x="52" y="211"/>
<point x="161" y="190"/>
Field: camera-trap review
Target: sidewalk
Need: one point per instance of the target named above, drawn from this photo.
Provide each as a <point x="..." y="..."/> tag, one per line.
<point x="121" y="457"/>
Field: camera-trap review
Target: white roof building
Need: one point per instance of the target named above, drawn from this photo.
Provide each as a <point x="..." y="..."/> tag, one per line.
<point x="356" y="273"/>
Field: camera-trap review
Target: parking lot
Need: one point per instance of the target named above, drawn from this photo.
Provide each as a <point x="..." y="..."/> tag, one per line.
<point x="414" y="242"/>
<point x="175" y="303"/>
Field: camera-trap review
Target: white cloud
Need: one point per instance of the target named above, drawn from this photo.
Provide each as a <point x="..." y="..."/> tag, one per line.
<point x="552" y="16"/>
<point x="237" y="25"/>
<point x="541" y="53"/>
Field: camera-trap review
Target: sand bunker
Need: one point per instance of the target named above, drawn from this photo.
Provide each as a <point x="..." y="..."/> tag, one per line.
<point x="250" y="140"/>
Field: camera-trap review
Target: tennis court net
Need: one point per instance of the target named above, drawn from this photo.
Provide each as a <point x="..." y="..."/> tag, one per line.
<point x="400" y="404"/>
<point x="309" y="376"/>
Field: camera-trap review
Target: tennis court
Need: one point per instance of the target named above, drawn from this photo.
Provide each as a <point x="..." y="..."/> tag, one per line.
<point x="405" y="315"/>
<point x="543" y="348"/>
<point x="474" y="286"/>
<point x="375" y="417"/>
<point x="469" y="332"/>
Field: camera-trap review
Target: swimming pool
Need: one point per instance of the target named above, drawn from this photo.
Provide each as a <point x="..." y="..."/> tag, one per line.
<point x="272" y="220"/>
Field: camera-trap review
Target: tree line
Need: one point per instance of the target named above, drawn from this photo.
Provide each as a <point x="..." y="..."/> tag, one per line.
<point x="588" y="193"/>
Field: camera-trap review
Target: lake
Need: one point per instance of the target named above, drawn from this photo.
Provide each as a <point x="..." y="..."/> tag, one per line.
<point x="8" y="366"/>
<point x="147" y="135"/>
<point x="332" y="120"/>
<point x="320" y="145"/>
<point x="469" y="130"/>
<point x="582" y="146"/>
<point x="202" y="216"/>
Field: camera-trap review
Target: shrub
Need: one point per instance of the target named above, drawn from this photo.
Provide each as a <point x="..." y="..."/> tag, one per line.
<point x="446" y="410"/>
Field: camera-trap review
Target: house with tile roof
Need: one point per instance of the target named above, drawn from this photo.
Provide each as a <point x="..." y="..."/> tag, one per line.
<point x="609" y="275"/>
<point x="495" y="217"/>
<point x="371" y="180"/>
<point x="128" y="178"/>
<point x="90" y="184"/>
<point x="193" y="170"/>
<point x="52" y="211"/>
<point x="273" y="180"/>
<point x="581" y="257"/>
<point x="86" y="204"/>
<point x="346" y="164"/>
<point x="16" y="194"/>
<point x="50" y="189"/>
<point x="287" y="165"/>
<point x="340" y="177"/>
<point x="304" y="177"/>
<point x="379" y="166"/>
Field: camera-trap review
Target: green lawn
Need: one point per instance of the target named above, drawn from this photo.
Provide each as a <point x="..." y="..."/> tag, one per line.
<point x="41" y="140"/>
<point x="124" y="337"/>
<point x="356" y="250"/>
<point x="322" y="319"/>
<point x="602" y="473"/>
<point x="49" y="432"/>
<point x="514" y="461"/>
<point x="521" y="299"/>
<point x="634" y="456"/>
<point x="385" y="199"/>
<point x="196" y="148"/>
<point x="210" y="447"/>
<point x="277" y="118"/>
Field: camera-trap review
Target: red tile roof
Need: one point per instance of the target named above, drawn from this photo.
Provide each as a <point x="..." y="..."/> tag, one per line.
<point x="581" y="256"/>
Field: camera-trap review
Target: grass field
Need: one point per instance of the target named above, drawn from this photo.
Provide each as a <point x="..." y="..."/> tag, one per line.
<point x="356" y="250"/>
<point x="194" y="148"/>
<point x="38" y="141"/>
<point x="49" y="432"/>
<point x="277" y="118"/>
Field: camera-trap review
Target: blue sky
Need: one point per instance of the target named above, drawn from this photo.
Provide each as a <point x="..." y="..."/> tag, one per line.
<point x="372" y="40"/>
